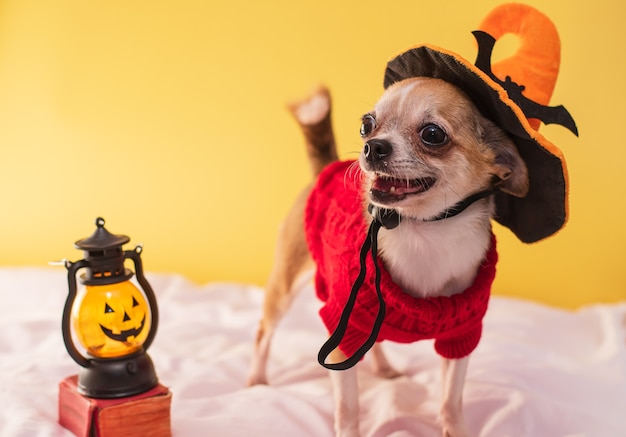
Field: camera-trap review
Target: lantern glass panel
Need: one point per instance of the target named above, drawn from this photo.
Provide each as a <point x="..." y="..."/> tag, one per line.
<point x="111" y="320"/>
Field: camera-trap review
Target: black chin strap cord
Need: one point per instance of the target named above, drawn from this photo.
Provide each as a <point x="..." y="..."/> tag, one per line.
<point x="389" y="219"/>
<point x="371" y="242"/>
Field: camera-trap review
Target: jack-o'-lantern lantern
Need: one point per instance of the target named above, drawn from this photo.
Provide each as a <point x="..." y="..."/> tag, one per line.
<point x="114" y="321"/>
<point x="111" y="320"/>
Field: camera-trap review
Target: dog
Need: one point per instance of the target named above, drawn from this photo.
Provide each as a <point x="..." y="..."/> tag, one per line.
<point x="427" y="149"/>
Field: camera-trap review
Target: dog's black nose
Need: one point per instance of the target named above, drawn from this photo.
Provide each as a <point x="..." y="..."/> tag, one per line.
<point x="376" y="150"/>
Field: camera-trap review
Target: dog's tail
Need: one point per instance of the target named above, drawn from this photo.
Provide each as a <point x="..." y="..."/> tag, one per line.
<point x="313" y="116"/>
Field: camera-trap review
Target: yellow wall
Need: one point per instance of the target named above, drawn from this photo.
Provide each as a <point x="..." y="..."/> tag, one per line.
<point x="167" y="118"/>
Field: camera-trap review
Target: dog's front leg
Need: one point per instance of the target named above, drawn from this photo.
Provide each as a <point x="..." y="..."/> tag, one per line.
<point x="454" y="372"/>
<point x="346" y="394"/>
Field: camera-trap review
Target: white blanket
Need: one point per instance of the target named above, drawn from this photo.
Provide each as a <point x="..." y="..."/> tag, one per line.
<point x="538" y="371"/>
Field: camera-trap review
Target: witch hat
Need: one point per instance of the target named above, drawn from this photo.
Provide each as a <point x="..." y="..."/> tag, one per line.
<point x="506" y="101"/>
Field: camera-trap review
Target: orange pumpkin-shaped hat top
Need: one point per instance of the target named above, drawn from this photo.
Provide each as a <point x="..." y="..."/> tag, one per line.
<point x="511" y="93"/>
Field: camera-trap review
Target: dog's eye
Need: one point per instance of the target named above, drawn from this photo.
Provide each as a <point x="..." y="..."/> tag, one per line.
<point x="433" y="135"/>
<point x="368" y="124"/>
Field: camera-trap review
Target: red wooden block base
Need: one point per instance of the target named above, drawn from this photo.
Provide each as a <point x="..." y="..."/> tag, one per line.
<point x="145" y="414"/>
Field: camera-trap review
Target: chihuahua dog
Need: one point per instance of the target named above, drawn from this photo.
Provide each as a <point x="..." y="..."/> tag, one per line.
<point x="426" y="148"/>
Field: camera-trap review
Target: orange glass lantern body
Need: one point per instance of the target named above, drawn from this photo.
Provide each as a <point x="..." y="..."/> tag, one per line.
<point x="111" y="318"/>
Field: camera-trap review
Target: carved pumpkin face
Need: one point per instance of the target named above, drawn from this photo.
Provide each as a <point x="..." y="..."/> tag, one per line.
<point x="111" y="320"/>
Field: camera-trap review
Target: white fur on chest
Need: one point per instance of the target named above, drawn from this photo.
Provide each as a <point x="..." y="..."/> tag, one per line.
<point x="435" y="258"/>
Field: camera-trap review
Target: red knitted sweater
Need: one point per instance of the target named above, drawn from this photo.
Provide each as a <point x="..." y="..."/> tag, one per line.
<point x="335" y="230"/>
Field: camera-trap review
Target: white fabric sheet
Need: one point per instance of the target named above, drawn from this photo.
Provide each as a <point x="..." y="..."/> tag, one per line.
<point x="538" y="372"/>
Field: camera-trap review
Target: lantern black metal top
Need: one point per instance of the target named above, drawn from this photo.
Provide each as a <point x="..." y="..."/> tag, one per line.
<point x="101" y="239"/>
<point x="103" y="251"/>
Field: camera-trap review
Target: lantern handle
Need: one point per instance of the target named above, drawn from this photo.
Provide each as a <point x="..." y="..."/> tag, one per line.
<point x="72" y="268"/>
<point x="135" y="256"/>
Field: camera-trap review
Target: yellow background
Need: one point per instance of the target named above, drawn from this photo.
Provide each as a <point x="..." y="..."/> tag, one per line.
<point x="167" y="118"/>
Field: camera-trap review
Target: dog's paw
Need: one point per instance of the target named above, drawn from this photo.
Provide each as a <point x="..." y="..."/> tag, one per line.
<point x="348" y="432"/>
<point x="455" y="430"/>
<point x="380" y="364"/>
<point x="256" y="379"/>
<point x="386" y="371"/>
<point x="456" y="433"/>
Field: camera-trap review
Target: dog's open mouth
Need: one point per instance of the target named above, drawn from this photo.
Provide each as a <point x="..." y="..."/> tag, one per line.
<point x="387" y="189"/>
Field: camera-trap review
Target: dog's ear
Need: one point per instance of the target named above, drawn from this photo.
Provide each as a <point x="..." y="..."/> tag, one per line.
<point x="508" y="166"/>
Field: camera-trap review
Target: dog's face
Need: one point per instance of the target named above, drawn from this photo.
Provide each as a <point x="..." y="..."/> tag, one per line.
<point x="427" y="147"/>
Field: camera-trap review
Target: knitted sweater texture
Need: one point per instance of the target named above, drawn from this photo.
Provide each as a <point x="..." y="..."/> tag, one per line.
<point x="335" y="230"/>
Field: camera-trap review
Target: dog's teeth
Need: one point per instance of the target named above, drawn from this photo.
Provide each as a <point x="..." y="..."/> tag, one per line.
<point x="392" y="189"/>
